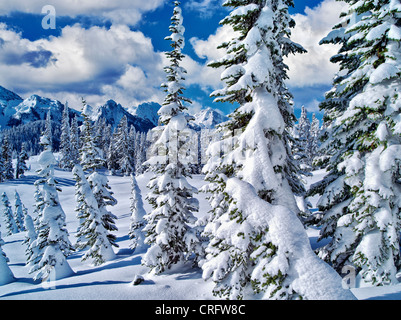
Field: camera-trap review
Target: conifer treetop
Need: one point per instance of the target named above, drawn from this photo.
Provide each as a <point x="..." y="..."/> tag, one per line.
<point x="174" y="101"/>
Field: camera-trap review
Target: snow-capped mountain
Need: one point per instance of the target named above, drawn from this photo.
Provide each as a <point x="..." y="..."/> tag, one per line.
<point x="8" y="101"/>
<point x="36" y="108"/>
<point x="147" y="111"/>
<point x="15" y="111"/>
<point x="113" y="112"/>
<point x="8" y="97"/>
<point x="209" y="118"/>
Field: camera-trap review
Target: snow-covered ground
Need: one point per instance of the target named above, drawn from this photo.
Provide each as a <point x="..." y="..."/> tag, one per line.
<point x="113" y="279"/>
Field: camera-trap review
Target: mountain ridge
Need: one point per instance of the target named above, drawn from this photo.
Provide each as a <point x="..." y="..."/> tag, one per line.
<point x="15" y="111"/>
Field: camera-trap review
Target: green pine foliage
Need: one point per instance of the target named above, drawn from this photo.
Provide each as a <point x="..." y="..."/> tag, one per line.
<point x="169" y="231"/>
<point x="361" y="193"/>
<point x="254" y="148"/>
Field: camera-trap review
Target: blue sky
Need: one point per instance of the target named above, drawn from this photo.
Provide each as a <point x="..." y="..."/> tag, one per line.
<point x="115" y="50"/>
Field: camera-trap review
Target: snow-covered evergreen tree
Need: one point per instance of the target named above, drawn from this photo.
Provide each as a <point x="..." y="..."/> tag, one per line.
<point x="242" y="256"/>
<point x="7" y="156"/>
<point x="121" y="147"/>
<point x="141" y="145"/>
<point x="8" y="215"/>
<point x="107" y="139"/>
<point x="6" y="275"/>
<point x="21" y="163"/>
<point x="361" y="194"/>
<point x="2" y="175"/>
<point x="90" y="155"/>
<point x="170" y="235"/>
<point x="92" y="234"/>
<point x="112" y="160"/>
<point x="314" y="139"/>
<point x="32" y="252"/>
<point x="38" y="205"/>
<point x="92" y="160"/>
<point x="103" y="136"/>
<point x="19" y="212"/>
<point x="136" y="233"/>
<point x="65" y="140"/>
<point x="48" y="129"/>
<point x="104" y="197"/>
<point x="336" y="102"/>
<point x="304" y="126"/>
<point x="52" y="242"/>
<point x="132" y="149"/>
<point x="74" y="142"/>
<point x="174" y="101"/>
<point x="297" y="148"/>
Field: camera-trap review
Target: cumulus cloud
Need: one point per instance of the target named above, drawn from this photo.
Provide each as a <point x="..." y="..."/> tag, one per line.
<point x="314" y="67"/>
<point x="208" y="78"/>
<point x="96" y="62"/>
<point x="16" y="51"/>
<point x="204" y="7"/>
<point x="118" y="63"/>
<point x="207" y="49"/>
<point x="120" y="11"/>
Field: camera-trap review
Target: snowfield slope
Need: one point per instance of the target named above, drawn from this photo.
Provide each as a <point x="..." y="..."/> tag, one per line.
<point x="113" y="280"/>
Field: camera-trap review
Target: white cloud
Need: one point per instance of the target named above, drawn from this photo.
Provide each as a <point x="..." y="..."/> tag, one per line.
<point x="16" y="51"/>
<point x="207" y="49"/>
<point x="121" y="64"/>
<point x="195" y="107"/>
<point x="314" y="67"/>
<point x="205" y="8"/>
<point x="206" y="77"/>
<point x="98" y="63"/>
<point x="313" y="106"/>
<point x="120" y="11"/>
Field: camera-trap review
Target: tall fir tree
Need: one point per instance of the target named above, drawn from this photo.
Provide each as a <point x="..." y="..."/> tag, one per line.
<point x="38" y="205"/>
<point x="48" y="129"/>
<point x="132" y="151"/>
<point x="136" y="233"/>
<point x="107" y="138"/>
<point x="7" y="156"/>
<point x="121" y="145"/>
<point x="32" y="252"/>
<point x="66" y="161"/>
<point x="21" y="162"/>
<point x="92" y="235"/>
<point x="2" y="175"/>
<point x="52" y="244"/>
<point x="314" y="143"/>
<point x="11" y="226"/>
<point x="104" y="197"/>
<point x="103" y="137"/>
<point x="112" y="159"/>
<point x="74" y="142"/>
<point x="19" y="214"/>
<point x="361" y="194"/>
<point x="141" y="146"/>
<point x="91" y="156"/>
<point x="170" y="235"/>
<point x="304" y="127"/>
<point x="92" y="160"/>
<point x="253" y="160"/>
